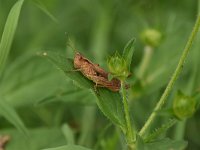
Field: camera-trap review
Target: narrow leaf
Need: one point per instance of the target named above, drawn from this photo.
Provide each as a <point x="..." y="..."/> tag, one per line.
<point x="66" y="65"/>
<point x="68" y="133"/>
<point x="41" y="6"/>
<point x="68" y="147"/>
<point x="160" y="130"/>
<point x="8" y="32"/>
<point x="128" y="52"/>
<point x="163" y="144"/>
<point x="166" y="144"/>
<point x="109" y="102"/>
<point x="9" y="113"/>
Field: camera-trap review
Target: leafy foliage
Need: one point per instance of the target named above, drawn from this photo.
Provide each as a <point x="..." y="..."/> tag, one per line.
<point x="69" y="135"/>
<point x="109" y="102"/>
<point x="160" y="130"/>
<point x="163" y="144"/>
<point x="44" y="99"/>
<point x="9" y="113"/>
<point x="9" y="32"/>
<point x="128" y="52"/>
<point x="41" y="6"/>
<point x="34" y="142"/>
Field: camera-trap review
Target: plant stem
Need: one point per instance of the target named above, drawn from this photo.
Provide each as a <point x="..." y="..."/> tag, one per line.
<point x="173" y="78"/>
<point x="129" y="130"/>
<point x="148" y="51"/>
<point x="180" y="130"/>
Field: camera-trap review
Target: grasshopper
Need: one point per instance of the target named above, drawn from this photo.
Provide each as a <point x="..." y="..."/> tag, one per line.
<point x="95" y="73"/>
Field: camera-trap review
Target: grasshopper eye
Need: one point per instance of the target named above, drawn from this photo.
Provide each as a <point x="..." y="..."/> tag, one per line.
<point x="78" y="56"/>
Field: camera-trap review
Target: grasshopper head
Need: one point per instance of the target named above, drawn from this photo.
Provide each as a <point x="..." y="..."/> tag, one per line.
<point x="78" y="60"/>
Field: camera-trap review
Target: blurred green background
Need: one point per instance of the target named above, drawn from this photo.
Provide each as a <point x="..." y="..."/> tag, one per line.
<point x="53" y="108"/>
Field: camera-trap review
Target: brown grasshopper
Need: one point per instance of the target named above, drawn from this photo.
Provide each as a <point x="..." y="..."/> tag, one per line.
<point x="95" y="73"/>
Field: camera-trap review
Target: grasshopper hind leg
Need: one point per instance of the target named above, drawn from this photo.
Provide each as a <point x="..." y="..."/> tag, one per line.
<point x="96" y="86"/>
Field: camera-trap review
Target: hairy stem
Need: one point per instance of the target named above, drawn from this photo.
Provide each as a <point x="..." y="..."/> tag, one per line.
<point x="173" y="78"/>
<point x="129" y="130"/>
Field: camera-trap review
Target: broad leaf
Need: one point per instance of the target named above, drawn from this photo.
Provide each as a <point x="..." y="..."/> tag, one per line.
<point x="9" y="32"/>
<point x="21" y="86"/>
<point x="109" y="102"/>
<point x="66" y="65"/>
<point x="111" y="105"/>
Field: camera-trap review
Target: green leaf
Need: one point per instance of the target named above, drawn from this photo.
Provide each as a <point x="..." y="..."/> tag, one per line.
<point x="128" y="52"/>
<point x="21" y="86"/>
<point x="161" y="130"/>
<point x="8" y="32"/>
<point x="41" y="6"/>
<point x="10" y="114"/>
<point x="66" y="65"/>
<point x="110" y="77"/>
<point x="109" y="102"/>
<point x="140" y="145"/>
<point x="80" y="96"/>
<point x="68" y="147"/>
<point x="197" y="98"/>
<point x="163" y="144"/>
<point x="68" y="133"/>
<point x="167" y="144"/>
<point x="39" y="138"/>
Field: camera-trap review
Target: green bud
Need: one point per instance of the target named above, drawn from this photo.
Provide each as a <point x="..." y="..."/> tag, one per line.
<point x="151" y="37"/>
<point x="183" y="106"/>
<point x="118" y="66"/>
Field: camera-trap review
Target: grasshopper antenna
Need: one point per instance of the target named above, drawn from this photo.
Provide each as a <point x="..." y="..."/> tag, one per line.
<point x="71" y="45"/>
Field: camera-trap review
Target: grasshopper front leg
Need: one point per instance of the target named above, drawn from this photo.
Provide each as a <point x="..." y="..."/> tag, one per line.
<point x="73" y="70"/>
